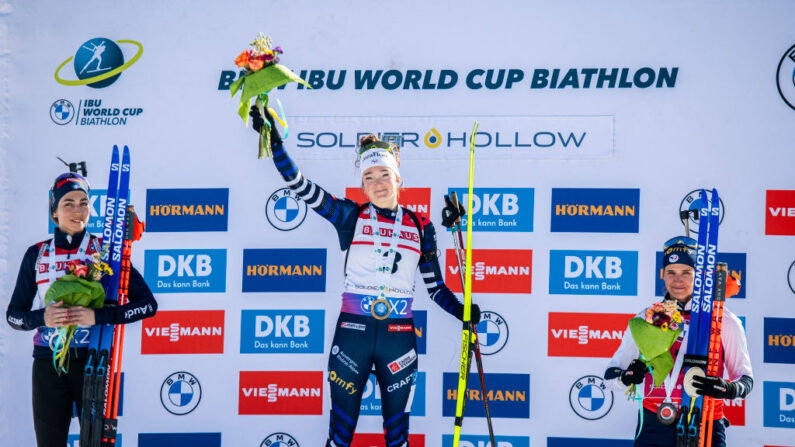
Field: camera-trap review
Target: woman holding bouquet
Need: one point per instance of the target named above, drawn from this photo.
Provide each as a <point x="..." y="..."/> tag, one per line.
<point x="661" y="402"/>
<point x="55" y="391"/>
<point x="385" y="244"/>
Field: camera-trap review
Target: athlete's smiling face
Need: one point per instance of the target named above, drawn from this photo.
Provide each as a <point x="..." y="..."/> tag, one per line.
<point x="72" y="212"/>
<point x="679" y="281"/>
<point x="380" y="184"/>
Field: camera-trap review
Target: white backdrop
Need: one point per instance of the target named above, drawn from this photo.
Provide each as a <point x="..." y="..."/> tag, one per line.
<point x="721" y="122"/>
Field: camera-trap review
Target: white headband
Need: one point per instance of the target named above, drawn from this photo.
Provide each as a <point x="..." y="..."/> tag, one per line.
<point x="378" y="157"/>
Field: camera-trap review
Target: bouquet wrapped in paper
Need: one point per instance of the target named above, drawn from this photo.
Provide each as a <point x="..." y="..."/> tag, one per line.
<point x="263" y="73"/>
<point x="654" y="334"/>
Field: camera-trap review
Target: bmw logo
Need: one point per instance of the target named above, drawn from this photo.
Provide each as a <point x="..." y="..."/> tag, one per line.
<point x="785" y="77"/>
<point x="590" y="398"/>
<point x="62" y="112"/>
<point x="279" y="440"/>
<point x="180" y="393"/>
<point x="791" y="277"/>
<point x="492" y="333"/>
<point x="692" y="203"/>
<point x="284" y="210"/>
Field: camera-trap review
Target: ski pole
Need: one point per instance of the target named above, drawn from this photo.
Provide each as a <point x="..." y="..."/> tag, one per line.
<point x="484" y="391"/>
<point x="721" y="272"/>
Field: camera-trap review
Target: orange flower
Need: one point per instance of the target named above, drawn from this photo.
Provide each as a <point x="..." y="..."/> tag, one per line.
<point x="243" y="59"/>
<point x="255" y="63"/>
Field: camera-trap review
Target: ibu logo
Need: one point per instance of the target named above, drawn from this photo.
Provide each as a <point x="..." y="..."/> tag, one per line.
<point x="779" y="404"/>
<point x="735" y="261"/>
<point x="483" y="441"/>
<point x="282" y="331"/>
<point x="580" y="272"/>
<point x="498" y="209"/>
<point x="371" y="396"/>
<point x="185" y="271"/>
<point x="96" y="211"/>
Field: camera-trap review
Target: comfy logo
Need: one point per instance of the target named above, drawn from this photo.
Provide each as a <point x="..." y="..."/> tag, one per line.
<point x="495" y="271"/>
<point x="183" y="332"/>
<point x="585" y="334"/>
<point x="280" y="392"/>
<point x="417" y="200"/>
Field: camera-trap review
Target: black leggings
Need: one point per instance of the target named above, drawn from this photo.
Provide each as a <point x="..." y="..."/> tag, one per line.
<point x="53" y="398"/>
<point x="655" y="434"/>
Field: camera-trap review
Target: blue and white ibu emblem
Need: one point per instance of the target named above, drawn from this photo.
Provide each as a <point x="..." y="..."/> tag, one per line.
<point x="590" y="398"/>
<point x="279" y="440"/>
<point x="492" y="332"/>
<point x="284" y="210"/>
<point x="180" y="393"/>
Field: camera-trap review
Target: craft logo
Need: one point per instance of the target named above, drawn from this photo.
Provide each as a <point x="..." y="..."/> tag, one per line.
<point x="96" y="211"/>
<point x="495" y="271"/>
<point x="183" y="332"/>
<point x="377" y="440"/>
<point x="791" y="277"/>
<point x="492" y="332"/>
<point x="280" y="392"/>
<point x="284" y="270"/>
<point x="421" y="329"/>
<point x="371" y="396"/>
<point x="736" y="263"/>
<point x="779" y="404"/>
<point x="498" y="209"/>
<point x="282" y="331"/>
<point x="185" y="271"/>
<point x="785" y="77"/>
<point x="187" y="209"/>
<point x="579" y="272"/>
<point x="590" y="398"/>
<point x="780" y="340"/>
<point x="734" y="411"/>
<point x="175" y="439"/>
<point x="588" y="442"/>
<point x="780" y="212"/>
<point x="692" y="204"/>
<point x="279" y="440"/>
<point x="73" y="440"/>
<point x="595" y="210"/>
<point x="508" y="394"/>
<point x="417" y="200"/>
<point x="585" y="334"/>
<point x="180" y="393"/>
<point x="284" y="210"/>
<point x="484" y="441"/>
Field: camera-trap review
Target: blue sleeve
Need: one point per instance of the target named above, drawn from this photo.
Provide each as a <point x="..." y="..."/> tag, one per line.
<point x="432" y="273"/>
<point x="18" y="314"/>
<point x="340" y="212"/>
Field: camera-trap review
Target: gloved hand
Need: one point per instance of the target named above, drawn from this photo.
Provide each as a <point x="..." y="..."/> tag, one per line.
<point x="474" y="314"/>
<point x="733" y="285"/>
<point x="258" y="121"/>
<point x="450" y="213"/>
<point x="715" y="387"/>
<point x="634" y="373"/>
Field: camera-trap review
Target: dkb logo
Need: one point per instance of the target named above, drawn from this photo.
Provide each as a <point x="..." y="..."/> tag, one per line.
<point x="183" y="271"/>
<point x="498" y="209"/>
<point x="576" y="272"/>
<point x="281" y="331"/>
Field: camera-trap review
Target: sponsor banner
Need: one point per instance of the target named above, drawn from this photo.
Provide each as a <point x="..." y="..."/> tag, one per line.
<point x="187" y="209"/>
<point x="484" y="441"/>
<point x="780" y="212"/>
<point x="498" y="209"/>
<point x="594" y="210"/>
<point x="377" y="440"/>
<point x="180" y="393"/>
<point x="279" y="440"/>
<point x="185" y="271"/>
<point x="785" y="77"/>
<point x="284" y="210"/>
<point x="183" y="332"/>
<point x="492" y="332"/>
<point x="417" y="200"/>
<point x="447" y="138"/>
<point x="590" y="398"/>
<point x="421" y="329"/>
<point x="175" y="439"/>
<point x="581" y="272"/>
<point x="779" y="404"/>
<point x="284" y="270"/>
<point x="734" y="411"/>
<point x="73" y="440"/>
<point x="282" y="331"/>
<point x="96" y="212"/>
<point x="495" y="271"/>
<point x="280" y="392"/>
<point x="735" y="261"/>
<point x="574" y="334"/>
<point x="588" y="442"/>
<point x="509" y="395"/>
<point x="780" y="340"/>
<point x="371" y="396"/>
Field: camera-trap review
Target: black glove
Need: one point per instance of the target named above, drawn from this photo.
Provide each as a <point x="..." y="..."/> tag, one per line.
<point x="634" y="373"/>
<point x="258" y="121"/>
<point x="714" y="387"/>
<point x="474" y="314"/>
<point x="450" y="213"/>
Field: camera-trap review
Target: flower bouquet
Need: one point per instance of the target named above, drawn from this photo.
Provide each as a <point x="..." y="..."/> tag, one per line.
<point x="654" y="333"/>
<point x="80" y="286"/>
<point x="262" y="74"/>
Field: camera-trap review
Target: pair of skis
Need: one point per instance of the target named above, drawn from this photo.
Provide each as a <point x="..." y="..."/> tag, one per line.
<point x="469" y="336"/>
<point x="702" y="354"/>
<point x="102" y="374"/>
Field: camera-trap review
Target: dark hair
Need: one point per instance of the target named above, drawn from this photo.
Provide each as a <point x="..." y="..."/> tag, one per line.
<point x="368" y="139"/>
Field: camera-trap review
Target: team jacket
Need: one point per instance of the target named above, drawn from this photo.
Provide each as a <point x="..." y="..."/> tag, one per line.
<point x="26" y="308"/>
<point x="735" y="364"/>
<point x="355" y="228"/>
